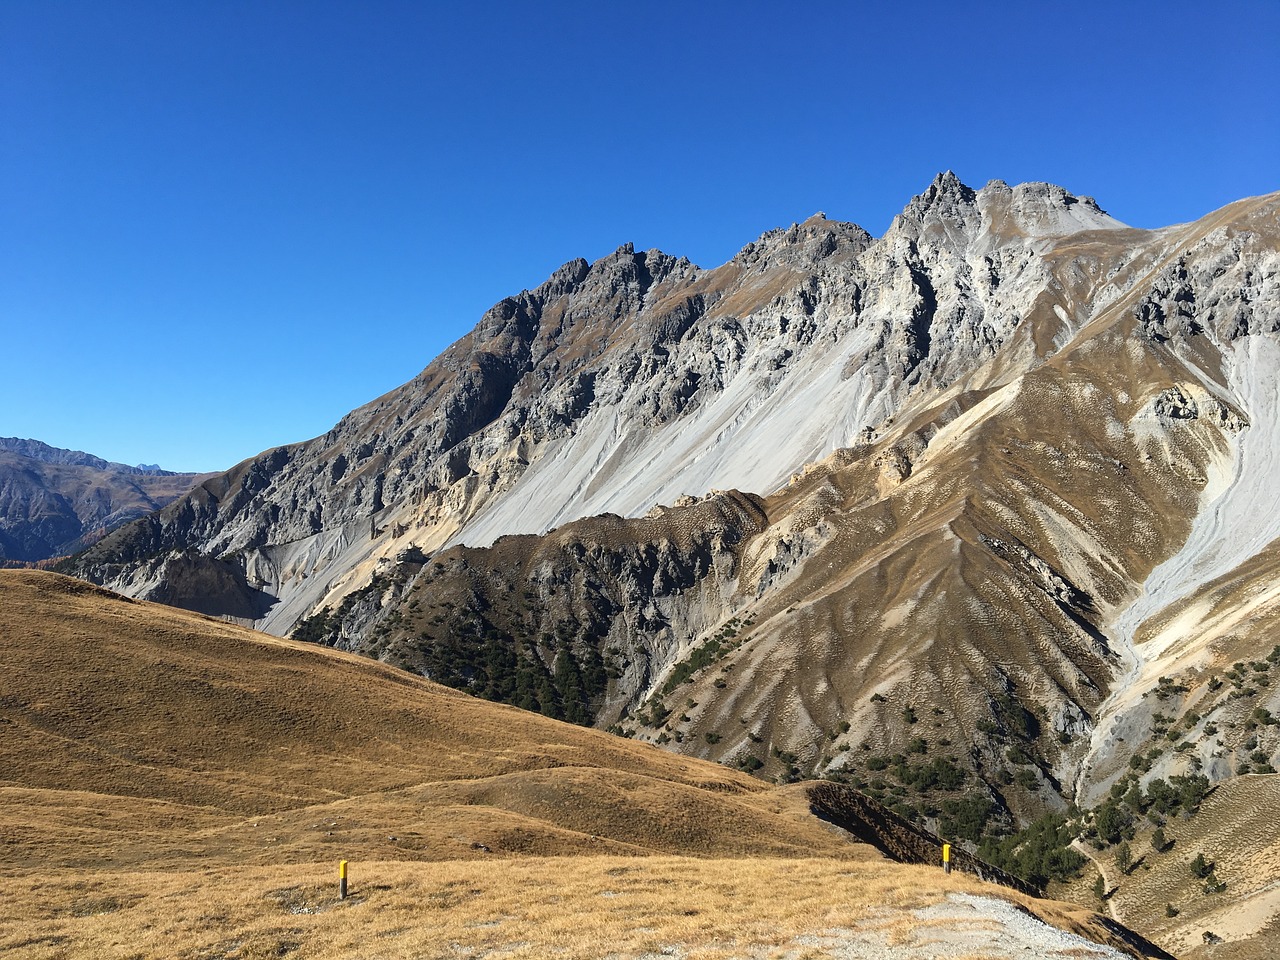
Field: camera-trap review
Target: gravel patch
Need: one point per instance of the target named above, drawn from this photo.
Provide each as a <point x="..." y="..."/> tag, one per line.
<point x="961" y="926"/>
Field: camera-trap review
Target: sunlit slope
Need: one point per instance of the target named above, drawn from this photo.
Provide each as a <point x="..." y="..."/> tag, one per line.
<point x="133" y="732"/>
<point x="1163" y="897"/>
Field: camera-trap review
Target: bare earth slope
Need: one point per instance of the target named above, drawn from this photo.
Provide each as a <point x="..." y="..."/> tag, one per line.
<point x="174" y="786"/>
<point x="1235" y="832"/>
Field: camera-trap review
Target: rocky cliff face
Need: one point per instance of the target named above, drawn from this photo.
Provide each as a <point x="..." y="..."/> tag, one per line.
<point x="969" y="444"/>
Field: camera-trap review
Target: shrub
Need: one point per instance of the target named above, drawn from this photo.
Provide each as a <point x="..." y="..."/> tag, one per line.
<point x="1016" y="754"/>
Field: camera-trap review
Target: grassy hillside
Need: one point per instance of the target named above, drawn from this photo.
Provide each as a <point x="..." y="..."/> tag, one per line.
<point x="172" y="785"/>
<point x="124" y="719"/>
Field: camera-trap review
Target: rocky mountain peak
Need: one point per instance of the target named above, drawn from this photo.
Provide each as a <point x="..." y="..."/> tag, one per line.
<point x="946" y="213"/>
<point x="564" y="280"/>
<point x="804" y="244"/>
<point x="946" y="191"/>
<point x="1041" y="209"/>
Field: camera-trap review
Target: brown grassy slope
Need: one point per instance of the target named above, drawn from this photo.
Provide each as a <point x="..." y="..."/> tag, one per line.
<point x="174" y="786"/>
<point x="138" y="733"/>
<point x="580" y="908"/>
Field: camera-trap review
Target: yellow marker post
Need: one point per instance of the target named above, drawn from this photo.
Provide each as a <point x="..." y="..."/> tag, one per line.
<point x="946" y="858"/>
<point x="342" y="880"/>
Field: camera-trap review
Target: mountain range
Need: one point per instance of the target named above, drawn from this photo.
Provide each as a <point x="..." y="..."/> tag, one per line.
<point x="988" y="496"/>
<point x="54" y="502"/>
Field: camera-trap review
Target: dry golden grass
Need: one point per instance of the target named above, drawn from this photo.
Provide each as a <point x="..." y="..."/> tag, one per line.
<point x="583" y="907"/>
<point x="138" y="734"/>
<point x="174" y="786"/>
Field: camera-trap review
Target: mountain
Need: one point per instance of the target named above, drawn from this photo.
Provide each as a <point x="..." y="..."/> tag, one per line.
<point x="180" y="786"/>
<point x="622" y="384"/>
<point x="984" y="501"/>
<point x="54" y="502"/>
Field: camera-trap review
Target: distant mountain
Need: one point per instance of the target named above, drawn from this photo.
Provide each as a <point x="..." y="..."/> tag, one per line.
<point x="35" y="450"/>
<point x="54" y="502"/>
<point x="1009" y="476"/>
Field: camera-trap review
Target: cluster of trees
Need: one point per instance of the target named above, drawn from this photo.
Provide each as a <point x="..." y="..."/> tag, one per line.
<point x="1039" y="853"/>
<point x="480" y="659"/>
<point x="1115" y="820"/>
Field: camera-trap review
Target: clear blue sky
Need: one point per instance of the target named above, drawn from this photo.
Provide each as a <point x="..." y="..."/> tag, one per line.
<point x="225" y="224"/>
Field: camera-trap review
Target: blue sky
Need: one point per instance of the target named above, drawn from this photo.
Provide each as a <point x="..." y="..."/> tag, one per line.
<point x="226" y="224"/>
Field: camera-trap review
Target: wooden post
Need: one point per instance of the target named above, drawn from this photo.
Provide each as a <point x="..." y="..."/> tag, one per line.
<point x="946" y="858"/>
<point x="342" y="880"/>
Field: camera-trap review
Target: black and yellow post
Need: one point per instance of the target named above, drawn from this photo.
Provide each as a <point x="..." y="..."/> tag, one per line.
<point x="946" y="858"/>
<point x="342" y="880"/>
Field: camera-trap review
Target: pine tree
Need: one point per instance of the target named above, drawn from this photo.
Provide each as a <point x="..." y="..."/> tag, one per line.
<point x="1124" y="857"/>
